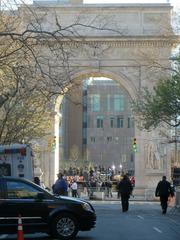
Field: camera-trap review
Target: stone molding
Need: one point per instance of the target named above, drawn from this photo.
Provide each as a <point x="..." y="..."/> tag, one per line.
<point x="80" y="4"/>
<point x="127" y="43"/>
<point x="115" y="42"/>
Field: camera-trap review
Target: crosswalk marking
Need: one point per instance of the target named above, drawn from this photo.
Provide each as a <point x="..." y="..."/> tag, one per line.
<point x="157" y="229"/>
<point x="174" y="221"/>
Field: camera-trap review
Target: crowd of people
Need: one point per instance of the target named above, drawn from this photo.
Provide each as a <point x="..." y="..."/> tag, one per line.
<point x="98" y="173"/>
<point x="88" y="172"/>
<point x="124" y="188"/>
<point x="93" y="179"/>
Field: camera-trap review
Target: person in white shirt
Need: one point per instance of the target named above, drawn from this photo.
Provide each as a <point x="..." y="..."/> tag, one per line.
<point x="74" y="188"/>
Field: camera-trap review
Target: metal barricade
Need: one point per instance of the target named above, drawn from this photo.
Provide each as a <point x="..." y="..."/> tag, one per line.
<point x="95" y="193"/>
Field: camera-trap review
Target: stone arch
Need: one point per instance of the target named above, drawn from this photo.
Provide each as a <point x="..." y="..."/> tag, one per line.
<point x="123" y="80"/>
<point x="138" y="29"/>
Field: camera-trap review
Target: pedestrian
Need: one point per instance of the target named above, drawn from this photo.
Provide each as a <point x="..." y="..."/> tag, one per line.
<point x="125" y="190"/>
<point x="74" y="188"/>
<point x="37" y="181"/>
<point x="109" y="188"/>
<point x="164" y="190"/>
<point x="133" y="181"/>
<point x="92" y="184"/>
<point x="60" y="187"/>
<point x="118" y="191"/>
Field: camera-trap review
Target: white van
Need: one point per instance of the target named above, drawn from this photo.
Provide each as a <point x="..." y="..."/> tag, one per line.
<point x="16" y="160"/>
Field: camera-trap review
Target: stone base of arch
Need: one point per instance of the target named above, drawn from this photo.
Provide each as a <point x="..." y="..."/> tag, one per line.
<point x="149" y="173"/>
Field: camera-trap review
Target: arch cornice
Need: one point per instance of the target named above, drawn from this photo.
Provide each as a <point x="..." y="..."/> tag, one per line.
<point x="128" y="41"/>
<point x="120" y="78"/>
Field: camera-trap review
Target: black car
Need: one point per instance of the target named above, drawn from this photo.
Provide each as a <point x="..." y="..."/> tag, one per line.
<point x="62" y="217"/>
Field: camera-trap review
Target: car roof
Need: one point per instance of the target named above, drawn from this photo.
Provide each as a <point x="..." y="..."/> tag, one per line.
<point x="16" y="179"/>
<point x="23" y="180"/>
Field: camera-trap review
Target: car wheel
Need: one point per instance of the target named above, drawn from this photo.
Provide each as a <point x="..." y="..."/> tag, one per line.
<point x="64" y="227"/>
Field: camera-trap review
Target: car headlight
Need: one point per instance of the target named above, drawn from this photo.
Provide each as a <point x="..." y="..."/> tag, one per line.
<point x="86" y="207"/>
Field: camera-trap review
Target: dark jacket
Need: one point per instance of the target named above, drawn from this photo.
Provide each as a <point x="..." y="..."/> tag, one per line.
<point x="125" y="186"/>
<point x="164" y="189"/>
<point x="60" y="187"/>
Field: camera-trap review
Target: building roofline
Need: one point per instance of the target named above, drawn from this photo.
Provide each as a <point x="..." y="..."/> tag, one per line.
<point x="98" y="5"/>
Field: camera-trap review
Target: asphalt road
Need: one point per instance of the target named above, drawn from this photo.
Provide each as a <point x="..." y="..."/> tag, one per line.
<point x="143" y="221"/>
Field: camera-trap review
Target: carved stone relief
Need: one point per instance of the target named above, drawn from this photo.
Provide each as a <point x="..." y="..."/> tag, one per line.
<point x="155" y="155"/>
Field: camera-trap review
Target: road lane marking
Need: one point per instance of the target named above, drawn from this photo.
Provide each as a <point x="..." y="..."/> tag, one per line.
<point x="139" y="216"/>
<point x="3" y="236"/>
<point x="157" y="229"/>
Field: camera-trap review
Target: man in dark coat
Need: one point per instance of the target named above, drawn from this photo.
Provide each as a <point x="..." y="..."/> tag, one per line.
<point x="125" y="190"/>
<point x="164" y="190"/>
<point x="60" y="187"/>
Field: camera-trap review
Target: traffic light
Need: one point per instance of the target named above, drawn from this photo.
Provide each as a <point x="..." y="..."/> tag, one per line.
<point x="134" y="145"/>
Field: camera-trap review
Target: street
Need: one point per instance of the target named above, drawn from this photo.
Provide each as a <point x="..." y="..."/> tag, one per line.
<point x="144" y="221"/>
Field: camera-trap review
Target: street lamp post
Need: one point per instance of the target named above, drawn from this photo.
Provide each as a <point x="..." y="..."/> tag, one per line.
<point x="113" y="168"/>
<point x="120" y="166"/>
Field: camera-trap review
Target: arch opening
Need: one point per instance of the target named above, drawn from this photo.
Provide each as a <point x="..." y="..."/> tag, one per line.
<point x="96" y="124"/>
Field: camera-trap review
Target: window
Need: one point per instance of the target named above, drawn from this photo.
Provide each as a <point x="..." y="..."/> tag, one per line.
<point x="112" y="122"/>
<point x="108" y="103"/>
<point x="99" y="121"/>
<point x="93" y="139"/>
<point x="109" y="139"/>
<point x="129" y="122"/>
<point x="5" y="169"/>
<point x="118" y="103"/>
<point x="95" y="102"/>
<point x="20" y="190"/>
<point x="120" y="121"/>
